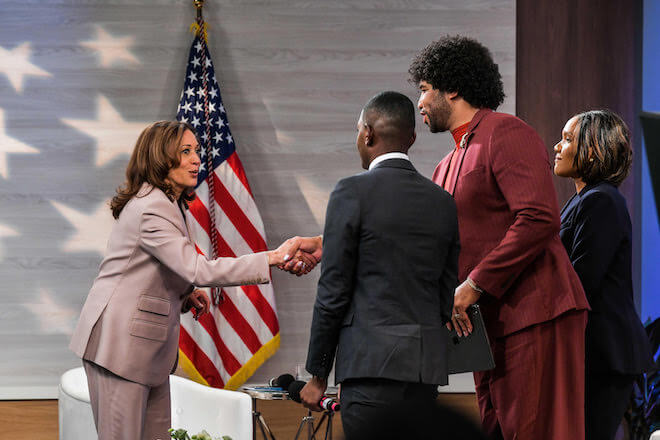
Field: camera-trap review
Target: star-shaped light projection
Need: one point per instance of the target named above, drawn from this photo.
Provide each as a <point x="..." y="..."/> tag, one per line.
<point x="315" y="196"/>
<point x="6" y="231"/>
<point x="15" y="64"/>
<point x="10" y="145"/>
<point x="92" y="230"/>
<point x="111" y="50"/>
<point x="54" y="319"/>
<point x="114" y="136"/>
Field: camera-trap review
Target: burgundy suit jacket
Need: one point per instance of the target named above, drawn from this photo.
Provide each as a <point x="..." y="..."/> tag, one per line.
<point x="508" y="220"/>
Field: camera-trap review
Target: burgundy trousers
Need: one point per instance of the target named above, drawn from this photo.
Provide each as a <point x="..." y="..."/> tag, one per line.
<point x="536" y="390"/>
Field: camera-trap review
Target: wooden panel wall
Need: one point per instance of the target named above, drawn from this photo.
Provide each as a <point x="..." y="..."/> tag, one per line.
<point x="293" y="75"/>
<point x="573" y="56"/>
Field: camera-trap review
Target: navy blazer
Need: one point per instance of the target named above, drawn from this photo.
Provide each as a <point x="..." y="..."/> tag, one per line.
<point x="389" y="270"/>
<point x="597" y="233"/>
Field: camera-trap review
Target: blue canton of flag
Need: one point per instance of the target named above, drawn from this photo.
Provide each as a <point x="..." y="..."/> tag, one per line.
<point x="217" y="140"/>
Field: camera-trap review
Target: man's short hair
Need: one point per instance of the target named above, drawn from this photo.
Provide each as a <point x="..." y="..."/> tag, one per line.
<point x="461" y="65"/>
<point x="397" y="108"/>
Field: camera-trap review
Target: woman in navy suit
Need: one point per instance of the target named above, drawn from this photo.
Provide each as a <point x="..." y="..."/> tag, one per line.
<point x="595" y="228"/>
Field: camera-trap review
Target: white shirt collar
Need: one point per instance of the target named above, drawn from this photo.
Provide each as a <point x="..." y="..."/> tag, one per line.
<point x="386" y="156"/>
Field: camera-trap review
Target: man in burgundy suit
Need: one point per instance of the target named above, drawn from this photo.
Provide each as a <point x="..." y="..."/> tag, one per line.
<point x="512" y="261"/>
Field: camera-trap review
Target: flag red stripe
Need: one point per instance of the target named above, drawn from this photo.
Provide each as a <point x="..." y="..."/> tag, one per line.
<point x="239" y="324"/>
<point x="201" y="362"/>
<point x="263" y="308"/>
<point x="198" y="210"/>
<point x="253" y="293"/>
<point x="230" y="363"/>
<point x="236" y="165"/>
<point x="236" y="215"/>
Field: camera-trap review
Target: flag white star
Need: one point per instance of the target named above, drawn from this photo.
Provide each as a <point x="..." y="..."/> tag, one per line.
<point x="190" y="92"/>
<point x="195" y="62"/>
<point x="200" y="93"/>
<point x="10" y="145"/>
<point x="208" y="62"/>
<point x="198" y="46"/>
<point x="111" y="50"/>
<point x="205" y="137"/>
<point x="192" y="77"/>
<point x="91" y="230"/>
<point x="213" y="92"/>
<point x="211" y="107"/>
<point x="184" y="120"/>
<point x="215" y="152"/>
<point x="15" y="64"/>
<point x="186" y="107"/>
<point x="54" y="319"/>
<point x="230" y="139"/>
<point x="222" y="109"/>
<point x="195" y="122"/>
<point x="114" y="136"/>
<point x="217" y="137"/>
<point x="199" y="107"/>
<point x="220" y="122"/>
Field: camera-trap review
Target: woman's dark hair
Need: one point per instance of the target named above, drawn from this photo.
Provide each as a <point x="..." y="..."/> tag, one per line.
<point x="603" y="147"/>
<point x="462" y="65"/>
<point x="156" y="152"/>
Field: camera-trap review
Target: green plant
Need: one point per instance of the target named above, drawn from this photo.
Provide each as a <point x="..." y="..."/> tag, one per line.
<point x="182" y="434"/>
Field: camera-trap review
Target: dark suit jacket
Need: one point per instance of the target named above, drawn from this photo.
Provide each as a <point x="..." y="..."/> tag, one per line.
<point x="597" y="233"/>
<point x="390" y="252"/>
<point x="508" y="219"/>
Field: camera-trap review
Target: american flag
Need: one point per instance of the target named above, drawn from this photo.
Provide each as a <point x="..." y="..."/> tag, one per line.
<point x="227" y="345"/>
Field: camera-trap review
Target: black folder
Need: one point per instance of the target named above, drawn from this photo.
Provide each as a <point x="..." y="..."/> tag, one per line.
<point x="472" y="352"/>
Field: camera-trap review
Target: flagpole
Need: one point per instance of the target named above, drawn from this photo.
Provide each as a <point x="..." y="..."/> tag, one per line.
<point x="201" y="32"/>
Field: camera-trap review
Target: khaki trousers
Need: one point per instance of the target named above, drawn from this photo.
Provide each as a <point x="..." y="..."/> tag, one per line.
<point x="125" y="410"/>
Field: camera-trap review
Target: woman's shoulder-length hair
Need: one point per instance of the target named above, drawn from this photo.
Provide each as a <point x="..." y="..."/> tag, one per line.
<point x="603" y="152"/>
<point x="154" y="155"/>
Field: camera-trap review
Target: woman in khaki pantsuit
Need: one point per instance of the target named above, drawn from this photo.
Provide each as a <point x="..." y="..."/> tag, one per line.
<point x="128" y="331"/>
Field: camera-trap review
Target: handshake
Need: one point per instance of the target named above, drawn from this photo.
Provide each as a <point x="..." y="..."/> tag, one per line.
<point x="297" y="255"/>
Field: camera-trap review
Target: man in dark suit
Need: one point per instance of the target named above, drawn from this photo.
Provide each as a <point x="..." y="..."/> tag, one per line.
<point x="390" y="252"/>
<point x="512" y="260"/>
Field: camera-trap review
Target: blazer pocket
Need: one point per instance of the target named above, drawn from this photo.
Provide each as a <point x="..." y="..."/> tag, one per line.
<point x="149" y="330"/>
<point x="153" y="304"/>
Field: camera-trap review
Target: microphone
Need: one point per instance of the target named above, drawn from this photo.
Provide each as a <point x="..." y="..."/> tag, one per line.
<point x="283" y="381"/>
<point x="327" y="403"/>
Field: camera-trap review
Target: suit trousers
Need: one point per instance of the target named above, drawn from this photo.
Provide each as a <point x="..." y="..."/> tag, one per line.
<point x="374" y="408"/>
<point x="536" y="390"/>
<point x="607" y="398"/>
<point x="125" y="410"/>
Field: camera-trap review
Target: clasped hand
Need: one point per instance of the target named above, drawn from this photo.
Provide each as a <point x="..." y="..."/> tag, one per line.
<point x="297" y="255"/>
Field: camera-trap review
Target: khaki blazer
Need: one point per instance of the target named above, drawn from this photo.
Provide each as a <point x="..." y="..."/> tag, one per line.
<point x="129" y="323"/>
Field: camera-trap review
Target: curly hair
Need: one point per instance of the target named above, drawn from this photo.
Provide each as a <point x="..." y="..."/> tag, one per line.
<point x="462" y="65"/>
<point x="603" y="147"/>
